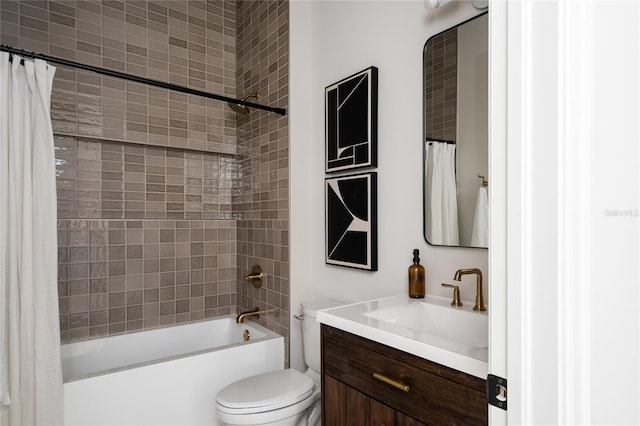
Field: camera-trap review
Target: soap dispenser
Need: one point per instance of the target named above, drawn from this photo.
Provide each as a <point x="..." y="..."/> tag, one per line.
<point x="416" y="277"/>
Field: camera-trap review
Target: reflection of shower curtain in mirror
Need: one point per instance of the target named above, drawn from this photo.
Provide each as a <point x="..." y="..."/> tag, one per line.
<point x="441" y="204"/>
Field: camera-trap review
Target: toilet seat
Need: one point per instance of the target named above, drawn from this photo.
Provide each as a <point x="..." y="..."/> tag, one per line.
<point x="265" y="392"/>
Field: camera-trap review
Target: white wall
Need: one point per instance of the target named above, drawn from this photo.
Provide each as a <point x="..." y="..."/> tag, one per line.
<point x="330" y="40"/>
<point x="569" y="101"/>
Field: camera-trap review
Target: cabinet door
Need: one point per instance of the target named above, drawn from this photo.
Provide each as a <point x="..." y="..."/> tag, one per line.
<point x="334" y="401"/>
<point x="404" y="420"/>
<point x="380" y="414"/>
<point x="357" y="407"/>
<point x="344" y="406"/>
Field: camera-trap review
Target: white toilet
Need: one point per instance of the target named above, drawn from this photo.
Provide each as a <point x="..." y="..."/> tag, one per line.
<point x="282" y="397"/>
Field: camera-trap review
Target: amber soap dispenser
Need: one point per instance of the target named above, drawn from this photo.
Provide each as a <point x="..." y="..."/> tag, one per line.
<point x="416" y="277"/>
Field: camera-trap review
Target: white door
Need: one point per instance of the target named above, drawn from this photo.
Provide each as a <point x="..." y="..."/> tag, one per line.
<point x="565" y="231"/>
<point x="498" y="197"/>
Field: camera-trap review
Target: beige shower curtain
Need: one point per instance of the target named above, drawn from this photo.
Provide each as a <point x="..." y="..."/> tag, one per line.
<point x="30" y="370"/>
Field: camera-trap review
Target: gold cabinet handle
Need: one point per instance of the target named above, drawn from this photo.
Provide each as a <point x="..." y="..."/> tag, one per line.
<point x="393" y="382"/>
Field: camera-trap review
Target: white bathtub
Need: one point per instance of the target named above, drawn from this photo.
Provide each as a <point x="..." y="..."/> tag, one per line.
<point x="166" y="376"/>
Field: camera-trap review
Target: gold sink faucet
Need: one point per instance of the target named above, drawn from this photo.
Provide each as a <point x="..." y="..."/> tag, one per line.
<point x="479" y="306"/>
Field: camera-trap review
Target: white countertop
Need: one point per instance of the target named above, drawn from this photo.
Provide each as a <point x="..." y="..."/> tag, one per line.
<point x="428" y="328"/>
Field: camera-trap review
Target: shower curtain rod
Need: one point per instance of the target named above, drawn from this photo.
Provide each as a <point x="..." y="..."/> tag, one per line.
<point x="440" y="140"/>
<point x="143" y="80"/>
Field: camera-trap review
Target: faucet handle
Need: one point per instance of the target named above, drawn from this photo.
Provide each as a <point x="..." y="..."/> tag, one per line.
<point x="456" y="294"/>
<point x="255" y="277"/>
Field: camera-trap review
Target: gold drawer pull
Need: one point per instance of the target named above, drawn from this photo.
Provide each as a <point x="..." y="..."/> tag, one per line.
<point x="395" y="383"/>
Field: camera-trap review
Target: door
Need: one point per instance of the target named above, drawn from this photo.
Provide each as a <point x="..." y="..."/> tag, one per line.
<point x="498" y="199"/>
<point x="564" y="154"/>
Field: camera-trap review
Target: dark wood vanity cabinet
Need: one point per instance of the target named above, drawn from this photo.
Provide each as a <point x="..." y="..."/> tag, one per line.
<point x="351" y="395"/>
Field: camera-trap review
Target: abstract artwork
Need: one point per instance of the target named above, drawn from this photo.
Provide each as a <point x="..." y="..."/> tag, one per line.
<point x="351" y="116"/>
<point x="351" y="221"/>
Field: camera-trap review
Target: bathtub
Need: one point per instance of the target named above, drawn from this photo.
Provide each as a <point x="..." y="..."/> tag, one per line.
<point x="166" y="376"/>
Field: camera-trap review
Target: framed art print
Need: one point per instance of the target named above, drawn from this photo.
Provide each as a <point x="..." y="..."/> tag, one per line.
<point x="351" y="221"/>
<point x="351" y="122"/>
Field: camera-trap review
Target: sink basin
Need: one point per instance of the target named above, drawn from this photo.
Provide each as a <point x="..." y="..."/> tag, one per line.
<point x="431" y="318"/>
<point x="429" y="328"/>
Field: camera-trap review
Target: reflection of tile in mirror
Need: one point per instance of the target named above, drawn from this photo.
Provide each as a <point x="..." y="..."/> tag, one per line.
<point x="441" y="65"/>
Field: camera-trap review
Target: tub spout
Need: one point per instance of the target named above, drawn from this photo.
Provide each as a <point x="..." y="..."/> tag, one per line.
<point x="255" y="312"/>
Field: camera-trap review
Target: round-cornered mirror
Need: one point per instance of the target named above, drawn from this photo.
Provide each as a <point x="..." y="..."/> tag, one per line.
<point x="455" y="143"/>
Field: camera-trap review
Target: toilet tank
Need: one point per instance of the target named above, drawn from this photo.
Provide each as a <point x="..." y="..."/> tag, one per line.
<point x="311" y="331"/>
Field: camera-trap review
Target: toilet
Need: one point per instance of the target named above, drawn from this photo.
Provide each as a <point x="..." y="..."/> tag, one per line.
<point x="283" y="397"/>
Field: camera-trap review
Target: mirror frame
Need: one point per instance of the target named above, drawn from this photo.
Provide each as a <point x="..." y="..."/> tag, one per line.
<point x="424" y="131"/>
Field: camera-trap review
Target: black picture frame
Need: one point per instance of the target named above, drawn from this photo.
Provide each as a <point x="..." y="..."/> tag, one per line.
<point x="351" y="122"/>
<point x="351" y="222"/>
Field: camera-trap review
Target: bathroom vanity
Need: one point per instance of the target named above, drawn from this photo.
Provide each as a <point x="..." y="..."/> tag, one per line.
<point x="406" y="390"/>
<point x="381" y="365"/>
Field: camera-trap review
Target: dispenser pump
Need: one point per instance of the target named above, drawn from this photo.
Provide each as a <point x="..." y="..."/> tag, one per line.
<point x="416" y="277"/>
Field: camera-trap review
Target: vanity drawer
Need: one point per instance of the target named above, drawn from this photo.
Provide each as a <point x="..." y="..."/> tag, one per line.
<point x="436" y="395"/>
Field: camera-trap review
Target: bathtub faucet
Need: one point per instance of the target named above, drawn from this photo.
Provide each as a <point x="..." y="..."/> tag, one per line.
<point x="255" y="312"/>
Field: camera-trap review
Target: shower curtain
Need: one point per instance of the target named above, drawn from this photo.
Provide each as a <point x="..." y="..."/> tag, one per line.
<point x="441" y="196"/>
<point x="30" y="370"/>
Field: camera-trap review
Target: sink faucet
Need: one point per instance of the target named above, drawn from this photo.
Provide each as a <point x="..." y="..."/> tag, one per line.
<point x="255" y="312"/>
<point x="479" y="306"/>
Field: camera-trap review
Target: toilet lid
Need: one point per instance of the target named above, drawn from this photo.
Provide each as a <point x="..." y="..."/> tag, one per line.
<point x="265" y="392"/>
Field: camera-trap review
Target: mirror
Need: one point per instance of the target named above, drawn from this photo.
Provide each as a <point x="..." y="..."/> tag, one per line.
<point x="455" y="143"/>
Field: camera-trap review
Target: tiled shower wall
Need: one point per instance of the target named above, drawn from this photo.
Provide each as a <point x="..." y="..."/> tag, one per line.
<point x="118" y="276"/>
<point x="145" y="236"/>
<point x="262" y="199"/>
<point x="115" y="180"/>
<point x="441" y="65"/>
<point x="161" y="209"/>
<point x="189" y="43"/>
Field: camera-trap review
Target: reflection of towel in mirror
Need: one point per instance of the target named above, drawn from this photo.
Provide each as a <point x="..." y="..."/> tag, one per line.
<point x="480" y="232"/>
